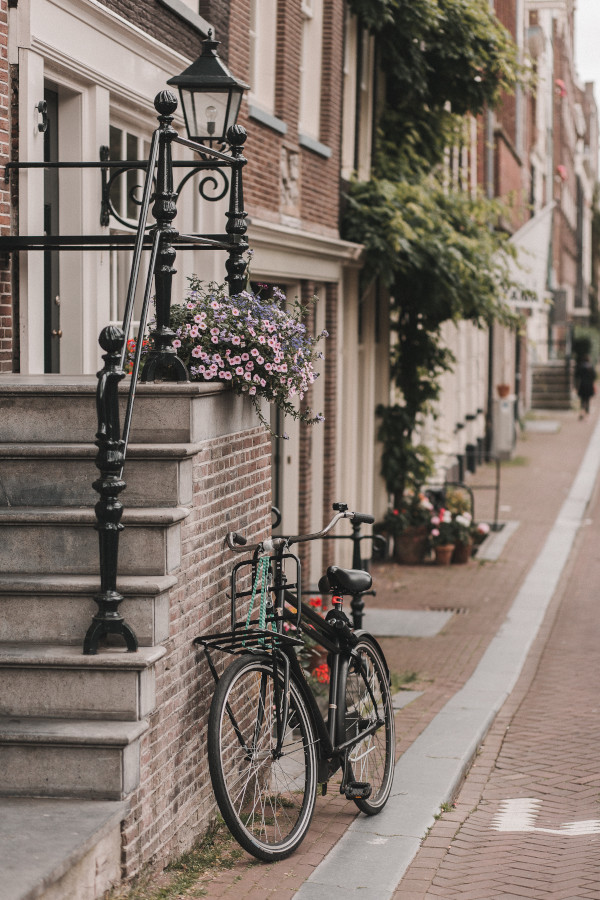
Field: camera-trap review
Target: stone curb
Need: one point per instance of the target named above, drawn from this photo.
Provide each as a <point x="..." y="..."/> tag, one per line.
<point x="373" y="855"/>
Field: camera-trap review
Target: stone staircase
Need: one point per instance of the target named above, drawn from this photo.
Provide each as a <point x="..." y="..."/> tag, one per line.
<point x="70" y="725"/>
<point x="552" y="385"/>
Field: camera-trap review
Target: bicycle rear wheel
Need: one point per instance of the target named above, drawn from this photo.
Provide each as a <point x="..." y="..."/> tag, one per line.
<point x="364" y="696"/>
<point x="267" y="800"/>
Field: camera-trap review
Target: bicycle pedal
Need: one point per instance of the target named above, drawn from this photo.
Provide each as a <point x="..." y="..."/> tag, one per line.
<point x="358" y="790"/>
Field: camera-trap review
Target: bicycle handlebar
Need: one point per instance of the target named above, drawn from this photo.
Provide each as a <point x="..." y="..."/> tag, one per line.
<point x="238" y="543"/>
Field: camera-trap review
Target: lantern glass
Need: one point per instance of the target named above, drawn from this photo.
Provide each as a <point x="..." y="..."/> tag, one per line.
<point x="210" y="96"/>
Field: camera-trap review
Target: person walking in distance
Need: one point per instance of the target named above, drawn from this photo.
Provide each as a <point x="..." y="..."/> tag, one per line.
<point x="585" y="376"/>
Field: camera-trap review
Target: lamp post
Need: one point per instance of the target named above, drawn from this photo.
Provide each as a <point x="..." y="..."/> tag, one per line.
<point x="210" y="96"/>
<point x="215" y="98"/>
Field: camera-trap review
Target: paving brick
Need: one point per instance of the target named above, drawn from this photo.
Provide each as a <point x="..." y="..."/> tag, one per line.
<point x="548" y="753"/>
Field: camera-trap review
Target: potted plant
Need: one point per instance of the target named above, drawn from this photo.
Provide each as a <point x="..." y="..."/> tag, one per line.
<point x="442" y="536"/>
<point x="408" y="526"/>
<point x="479" y="532"/>
<point x="463" y="523"/>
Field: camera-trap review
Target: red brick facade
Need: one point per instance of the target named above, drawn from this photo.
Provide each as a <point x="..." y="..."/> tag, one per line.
<point x="174" y="801"/>
<point x="319" y="177"/>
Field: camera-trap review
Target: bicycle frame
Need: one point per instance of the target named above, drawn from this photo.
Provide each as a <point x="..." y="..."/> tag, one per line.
<point x="340" y="651"/>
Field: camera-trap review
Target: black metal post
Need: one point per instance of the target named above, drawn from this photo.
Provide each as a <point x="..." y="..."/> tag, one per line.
<point x="162" y="361"/>
<point x="357" y="604"/>
<point x="236" y="217"/>
<point x="109" y="460"/>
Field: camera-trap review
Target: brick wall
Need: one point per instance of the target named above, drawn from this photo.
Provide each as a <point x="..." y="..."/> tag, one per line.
<point x="159" y="22"/>
<point x="174" y="802"/>
<point x="318" y="184"/>
<point x="6" y="310"/>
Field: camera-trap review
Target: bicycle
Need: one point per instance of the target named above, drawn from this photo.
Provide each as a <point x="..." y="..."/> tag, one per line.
<point x="269" y="746"/>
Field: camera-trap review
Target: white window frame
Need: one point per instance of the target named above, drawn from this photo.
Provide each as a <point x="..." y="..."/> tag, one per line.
<point x="263" y="51"/>
<point x="311" y="69"/>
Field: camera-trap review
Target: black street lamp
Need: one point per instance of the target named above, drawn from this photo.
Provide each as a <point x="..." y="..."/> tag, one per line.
<point x="210" y="96"/>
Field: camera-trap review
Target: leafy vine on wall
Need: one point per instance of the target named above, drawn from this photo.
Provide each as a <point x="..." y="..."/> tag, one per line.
<point x="437" y="248"/>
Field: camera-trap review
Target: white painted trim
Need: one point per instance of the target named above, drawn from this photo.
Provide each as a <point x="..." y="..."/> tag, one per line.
<point x="291" y="249"/>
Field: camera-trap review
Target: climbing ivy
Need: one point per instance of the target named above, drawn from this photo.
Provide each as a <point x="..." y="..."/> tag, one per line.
<point x="436" y="248"/>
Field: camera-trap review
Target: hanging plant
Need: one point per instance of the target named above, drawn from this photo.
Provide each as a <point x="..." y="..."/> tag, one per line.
<point x="256" y="345"/>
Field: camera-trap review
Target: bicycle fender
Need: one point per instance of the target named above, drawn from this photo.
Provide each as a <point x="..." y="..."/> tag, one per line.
<point x="362" y="633"/>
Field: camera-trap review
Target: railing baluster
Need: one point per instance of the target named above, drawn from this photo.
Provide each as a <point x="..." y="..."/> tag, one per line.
<point x="109" y="510"/>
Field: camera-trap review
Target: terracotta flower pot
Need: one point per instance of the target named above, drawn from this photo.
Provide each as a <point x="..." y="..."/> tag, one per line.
<point x="410" y="547"/>
<point x="503" y="390"/>
<point x="462" y="553"/>
<point x="443" y="554"/>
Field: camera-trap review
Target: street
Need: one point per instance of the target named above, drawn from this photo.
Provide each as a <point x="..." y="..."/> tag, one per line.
<point x="525" y="822"/>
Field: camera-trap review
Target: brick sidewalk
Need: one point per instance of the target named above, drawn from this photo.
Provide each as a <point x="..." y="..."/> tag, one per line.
<point x="542" y="749"/>
<point x="533" y="489"/>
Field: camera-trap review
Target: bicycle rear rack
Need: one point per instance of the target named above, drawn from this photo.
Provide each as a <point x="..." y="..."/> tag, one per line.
<point x="245" y="640"/>
<point x="245" y="637"/>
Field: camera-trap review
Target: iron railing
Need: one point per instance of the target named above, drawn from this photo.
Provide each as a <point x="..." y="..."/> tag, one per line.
<point x="162" y="361"/>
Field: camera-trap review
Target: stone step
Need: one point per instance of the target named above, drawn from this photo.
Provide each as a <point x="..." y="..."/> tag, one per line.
<point x="59" y="608"/>
<point x="78" y="758"/>
<point x="62" y="408"/>
<point x="54" y="540"/>
<point x="53" y="681"/>
<point x="63" y="474"/>
<point x="59" y="849"/>
<point x="551" y="395"/>
<point x="550" y="403"/>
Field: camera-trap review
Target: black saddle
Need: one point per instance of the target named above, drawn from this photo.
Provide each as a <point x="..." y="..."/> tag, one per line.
<point x="345" y="581"/>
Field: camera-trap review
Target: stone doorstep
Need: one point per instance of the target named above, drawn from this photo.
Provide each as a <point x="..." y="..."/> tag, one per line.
<point x="70" y="758"/>
<point x="64" y="407"/>
<point x="59" y="608"/>
<point x="58" y="540"/>
<point x="88" y="451"/>
<point x="60" y="682"/>
<point x="59" y="848"/>
<point x="63" y="474"/>
<point x="156" y="517"/>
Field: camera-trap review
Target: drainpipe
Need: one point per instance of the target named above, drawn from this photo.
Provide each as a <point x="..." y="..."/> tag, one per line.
<point x="489" y="190"/>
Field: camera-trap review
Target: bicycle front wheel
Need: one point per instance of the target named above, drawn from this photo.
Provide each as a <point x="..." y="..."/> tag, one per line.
<point x="365" y="697"/>
<point x="266" y="796"/>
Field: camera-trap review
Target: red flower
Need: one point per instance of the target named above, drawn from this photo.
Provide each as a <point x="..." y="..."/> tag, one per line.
<point x="395" y="511"/>
<point x="321" y="673"/>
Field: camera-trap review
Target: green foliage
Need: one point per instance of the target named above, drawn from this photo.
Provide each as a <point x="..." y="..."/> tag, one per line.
<point x="437" y="249"/>
<point x="405" y="466"/>
<point x="435" y="53"/>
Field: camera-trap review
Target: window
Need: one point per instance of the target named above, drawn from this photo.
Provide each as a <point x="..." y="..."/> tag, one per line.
<point x="358" y="110"/>
<point x="263" y="46"/>
<point x="310" y="68"/>
<point x="125" y="195"/>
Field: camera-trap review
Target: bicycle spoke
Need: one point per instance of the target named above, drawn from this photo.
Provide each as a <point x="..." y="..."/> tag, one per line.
<point x="271" y="797"/>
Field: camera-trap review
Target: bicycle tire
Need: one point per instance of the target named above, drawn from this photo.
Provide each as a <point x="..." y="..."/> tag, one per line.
<point x="267" y="803"/>
<point x="373" y="758"/>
